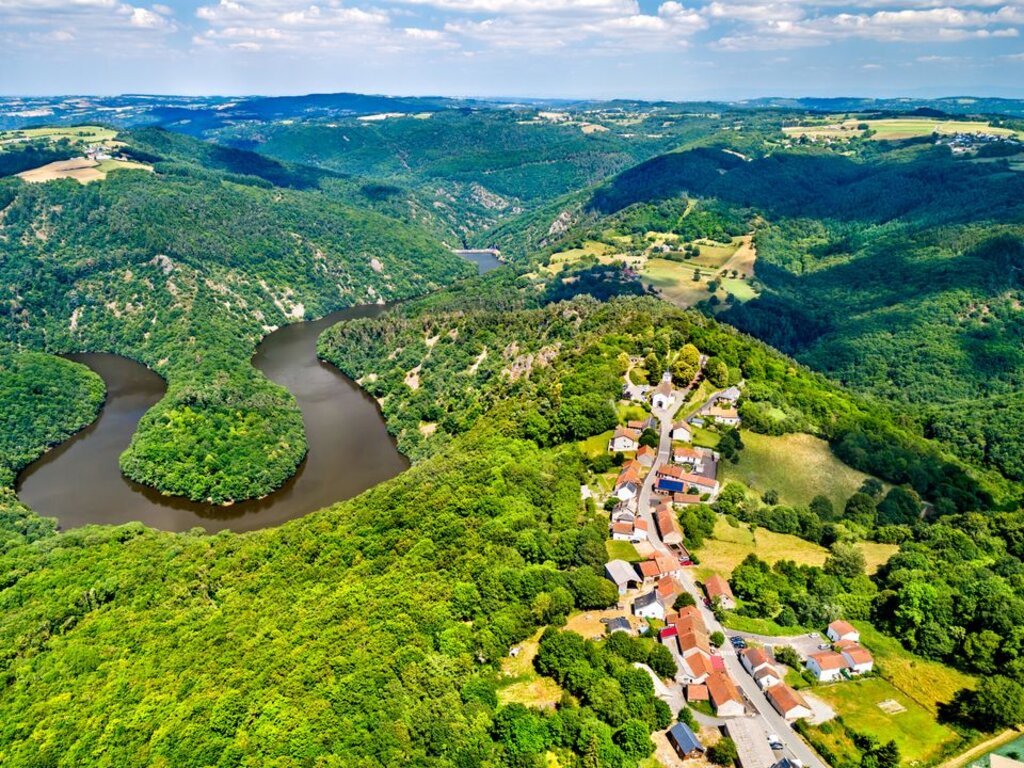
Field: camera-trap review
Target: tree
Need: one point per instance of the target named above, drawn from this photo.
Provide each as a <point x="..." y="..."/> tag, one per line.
<point x="686" y="718"/>
<point x="771" y="497"/>
<point x="786" y="654"/>
<point x="686" y="365"/>
<point x="660" y="659"/>
<point x="845" y="561"/>
<point x="861" y="509"/>
<point x="997" y="703"/>
<point x="873" y="487"/>
<point x="822" y="507"/>
<point x="901" y="506"/>
<point x="650" y="438"/>
<point x="717" y="372"/>
<point x="723" y="752"/>
<point x="682" y="600"/>
<point x="634" y="738"/>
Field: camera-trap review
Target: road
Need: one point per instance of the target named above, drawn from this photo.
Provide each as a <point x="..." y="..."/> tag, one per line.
<point x="773" y="722"/>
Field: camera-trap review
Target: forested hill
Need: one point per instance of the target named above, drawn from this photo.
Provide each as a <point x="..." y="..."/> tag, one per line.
<point x="896" y="268"/>
<point x="185" y="269"/>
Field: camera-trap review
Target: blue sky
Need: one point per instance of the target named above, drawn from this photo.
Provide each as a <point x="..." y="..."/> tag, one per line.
<point x="673" y="49"/>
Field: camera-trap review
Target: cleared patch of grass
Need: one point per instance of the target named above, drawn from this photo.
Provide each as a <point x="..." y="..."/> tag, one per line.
<point x="591" y="248"/>
<point x="920" y="738"/>
<point x="729" y="546"/>
<point x="760" y="626"/>
<point x="798" y="466"/>
<point x="622" y="550"/>
<point x="520" y="682"/>
<point x="596" y="445"/>
<point x="928" y="683"/>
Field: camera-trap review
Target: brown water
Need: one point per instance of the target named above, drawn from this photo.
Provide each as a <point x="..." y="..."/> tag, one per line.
<point x="350" y="449"/>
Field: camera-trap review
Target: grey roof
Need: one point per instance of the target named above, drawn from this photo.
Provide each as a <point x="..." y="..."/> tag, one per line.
<point x="732" y="393"/>
<point x="687" y="740"/>
<point x="644" y="600"/>
<point x="621" y="572"/>
<point x="619" y="624"/>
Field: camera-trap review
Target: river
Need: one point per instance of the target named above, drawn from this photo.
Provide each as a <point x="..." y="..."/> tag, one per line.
<point x="350" y="450"/>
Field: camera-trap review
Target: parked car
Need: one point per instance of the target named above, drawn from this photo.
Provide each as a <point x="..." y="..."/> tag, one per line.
<point x="823" y="646"/>
<point x="814" y="635"/>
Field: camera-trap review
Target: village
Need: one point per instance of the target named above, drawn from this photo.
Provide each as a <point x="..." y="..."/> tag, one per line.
<point x="734" y="685"/>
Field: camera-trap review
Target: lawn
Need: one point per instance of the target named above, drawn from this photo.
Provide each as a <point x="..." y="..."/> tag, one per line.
<point x="926" y="682"/>
<point x="730" y="546"/>
<point x="920" y="738"/>
<point x="520" y="683"/>
<point x="622" y="550"/>
<point x="596" y="445"/>
<point x="798" y="466"/>
<point x="755" y="626"/>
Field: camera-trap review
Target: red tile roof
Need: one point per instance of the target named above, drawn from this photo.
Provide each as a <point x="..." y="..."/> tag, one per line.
<point x="722" y="689"/>
<point x="716" y="586"/>
<point x="841" y="627"/>
<point x="828" y="660"/>
<point x="784" y="698"/>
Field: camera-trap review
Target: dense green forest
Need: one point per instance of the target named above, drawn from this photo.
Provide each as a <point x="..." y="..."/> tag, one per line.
<point x="43" y="400"/>
<point x="185" y="271"/>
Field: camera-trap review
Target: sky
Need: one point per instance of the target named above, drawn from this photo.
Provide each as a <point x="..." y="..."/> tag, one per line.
<point x="647" y="49"/>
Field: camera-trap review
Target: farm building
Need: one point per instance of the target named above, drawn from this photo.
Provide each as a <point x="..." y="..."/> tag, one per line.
<point x="788" y="703"/>
<point x="840" y="630"/>
<point x="622" y="575"/>
<point x="685" y="742"/>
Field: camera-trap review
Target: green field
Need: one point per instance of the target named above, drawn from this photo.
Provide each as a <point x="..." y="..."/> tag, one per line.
<point x="920" y="738"/>
<point x="928" y="683"/>
<point x="79" y="134"/>
<point x="730" y="546"/>
<point x="895" y="128"/>
<point x="760" y="627"/>
<point x="798" y="466"/>
<point x="596" y="445"/>
<point x="622" y="550"/>
<point x="591" y="248"/>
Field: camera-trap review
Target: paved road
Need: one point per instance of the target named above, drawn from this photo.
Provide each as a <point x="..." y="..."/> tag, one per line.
<point x="773" y="722"/>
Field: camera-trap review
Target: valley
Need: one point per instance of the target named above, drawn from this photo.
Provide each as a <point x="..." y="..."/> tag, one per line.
<point x="292" y="473"/>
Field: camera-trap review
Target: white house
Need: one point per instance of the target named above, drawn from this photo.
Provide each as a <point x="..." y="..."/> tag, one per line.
<point x="840" y="630"/>
<point x="858" y="659"/>
<point x="681" y="431"/>
<point x="649" y="607"/>
<point x="788" y="703"/>
<point x="766" y="677"/>
<point x="827" y="666"/>
<point x="754" y="659"/>
<point x="624" y="440"/>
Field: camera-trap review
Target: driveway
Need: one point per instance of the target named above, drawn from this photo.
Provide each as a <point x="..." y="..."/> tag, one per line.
<point x="804" y="645"/>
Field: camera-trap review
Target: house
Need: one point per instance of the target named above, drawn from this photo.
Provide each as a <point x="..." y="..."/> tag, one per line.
<point x="694" y="669"/>
<point x="842" y="630"/>
<point x="685" y="499"/>
<point x="619" y="624"/>
<point x="827" y="666"/>
<point x="647" y="606"/>
<point x="628" y="483"/>
<point x="622" y="575"/>
<point x="668" y="525"/>
<point x="658" y="567"/>
<point x="718" y="590"/>
<point x="624" y="439"/>
<point x="725" y="696"/>
<point x="697" y="693"/>
<point x="681" y="431"/>
<point x="641" y="424"/>
<point x="661" y="398"/>
<point x="621" y="531"/>
<point x="859" y="659"/>
<point x="690" y="456"/>
<point x="728" y="416"/>
<point x="754" y="659"/>
<point x="670" y="472"/>
<point x="646" y="455"/>
<point x="732" y="394"/>
<point x="685" y="742"/>
<point x="766" y="677"/>
<point x="622" y="514"/>
<point x="788" y="703"/>
<point x="668" y="590"/>
<point x="702" y="484"/>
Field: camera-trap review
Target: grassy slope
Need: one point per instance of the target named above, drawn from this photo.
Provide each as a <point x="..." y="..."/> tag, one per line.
<point x="798" y="466"/>
<point x="730" y="546"/>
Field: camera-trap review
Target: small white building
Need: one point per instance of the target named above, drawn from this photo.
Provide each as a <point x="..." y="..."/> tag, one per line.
<point x="827" y="666"/>
<point x="840" y="630"/>
<point x="662" y="396"/>
<point x="649" y="607"/>
<point x="681" y="431"/>
<point x="624" y="440"/>
<point x="859" y="659"/>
